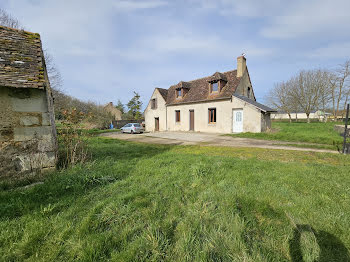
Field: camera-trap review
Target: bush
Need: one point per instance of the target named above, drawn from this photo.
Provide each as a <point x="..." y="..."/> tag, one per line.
<point x="71" y="140"/>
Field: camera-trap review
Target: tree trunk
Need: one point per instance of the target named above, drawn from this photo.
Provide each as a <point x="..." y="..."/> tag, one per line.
<point x="290" y="118"/>
<point x="296" y="117"/>
<point x="308" y="118"/>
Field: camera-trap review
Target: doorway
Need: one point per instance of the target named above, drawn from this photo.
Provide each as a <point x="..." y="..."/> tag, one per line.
<point x="237" y="121"/>
<point x="191" y="120"/>
<point x="156" y="124"/>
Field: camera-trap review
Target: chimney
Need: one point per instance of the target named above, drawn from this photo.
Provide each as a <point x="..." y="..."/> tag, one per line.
<point x="241" y="65"/>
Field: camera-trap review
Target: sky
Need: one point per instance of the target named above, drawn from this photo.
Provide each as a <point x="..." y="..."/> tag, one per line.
<point x="108" y="49"/>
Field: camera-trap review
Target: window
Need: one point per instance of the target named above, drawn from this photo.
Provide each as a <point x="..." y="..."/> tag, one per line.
<point x="212" y="115"/>
<point x="154" y="103"/>
<point x="215" y="87"/>
<point x="178" y="92"/>
<point x="248" y="92"/>
<point x="137" y="125"/>
<point x="177" y="115"/>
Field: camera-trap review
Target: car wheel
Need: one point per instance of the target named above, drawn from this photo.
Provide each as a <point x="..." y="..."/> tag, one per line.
<point x="131" y="132"/>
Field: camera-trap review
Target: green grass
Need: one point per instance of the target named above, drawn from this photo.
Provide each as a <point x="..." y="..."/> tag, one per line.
<point x="314" y="132"/>
<point x="316" y="146"/>
<point x="141" y="202"/>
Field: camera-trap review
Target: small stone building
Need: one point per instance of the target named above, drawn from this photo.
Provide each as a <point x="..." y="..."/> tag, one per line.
<point x="115" y="112"/>
<point x="27" y="128"/>
<point x="220" y="103"/>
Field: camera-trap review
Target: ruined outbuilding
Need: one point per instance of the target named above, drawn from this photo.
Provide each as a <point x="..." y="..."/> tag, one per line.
<point x="115" y="112"/>
<point x="27" y="128"/>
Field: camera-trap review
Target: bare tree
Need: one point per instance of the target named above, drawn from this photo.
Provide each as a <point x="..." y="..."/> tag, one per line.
<point x="54" y="74"/>
<point x="279" y="97"/>
<point x="8" y="20"/>
<point x="308" y="89"/>
<point x="340" y="87"/>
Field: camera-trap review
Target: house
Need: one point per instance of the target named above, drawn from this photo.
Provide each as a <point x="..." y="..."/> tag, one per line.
<point x="316" y="114"/>
<point x="115" y="112"/>
<point x="220" y="103"/>
<point x="27" y="127"/>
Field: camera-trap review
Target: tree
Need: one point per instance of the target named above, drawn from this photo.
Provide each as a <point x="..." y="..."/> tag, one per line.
<point x="120" y="106"/>
<point x="134" y="107"/>
<point x="308" y="88"/>
<point x="280" y="98"/>
<point x="8" y="20"/>
<point x="339" y="87"/>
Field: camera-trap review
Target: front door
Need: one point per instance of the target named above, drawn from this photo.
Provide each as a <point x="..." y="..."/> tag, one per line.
<point x="156" y="124"/>
<point x="237" y="121"/>
<point x="191" y="120"/>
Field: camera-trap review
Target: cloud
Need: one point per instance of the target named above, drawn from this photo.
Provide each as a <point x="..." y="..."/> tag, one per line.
<point x="127" y="5"/>
<point x="333" y="51"/>
<point x="309" y="19"/>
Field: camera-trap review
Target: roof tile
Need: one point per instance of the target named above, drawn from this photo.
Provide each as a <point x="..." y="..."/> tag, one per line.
<point x="21" y="59"/>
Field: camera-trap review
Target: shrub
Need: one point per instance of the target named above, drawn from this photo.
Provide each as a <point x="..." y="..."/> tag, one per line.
<point x="72" y="141"/>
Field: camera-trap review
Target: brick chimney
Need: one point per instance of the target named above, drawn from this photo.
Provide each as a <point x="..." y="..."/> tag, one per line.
<point x="241" y="65"/>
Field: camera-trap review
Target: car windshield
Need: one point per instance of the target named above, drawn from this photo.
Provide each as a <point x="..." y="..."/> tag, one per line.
<point x="137" y="125"/>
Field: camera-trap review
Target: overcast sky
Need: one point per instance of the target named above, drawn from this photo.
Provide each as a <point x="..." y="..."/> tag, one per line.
<point x="107" y="49"/>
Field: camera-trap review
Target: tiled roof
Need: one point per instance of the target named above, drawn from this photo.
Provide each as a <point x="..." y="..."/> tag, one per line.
<point x="254" y="103"/>
<point x="198" y="90"/>
<point x="21" y="59"/>
<point x="163" y="92"/>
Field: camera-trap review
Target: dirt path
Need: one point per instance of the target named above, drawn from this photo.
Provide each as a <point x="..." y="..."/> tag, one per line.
<point x="208" y="139"/>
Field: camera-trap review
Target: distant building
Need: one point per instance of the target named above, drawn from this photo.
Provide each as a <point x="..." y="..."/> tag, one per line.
<point x="115" y="112"/>
<point x="27" y="125"/>
<point x="220" y="103"/>
<point x="316" y="114"/>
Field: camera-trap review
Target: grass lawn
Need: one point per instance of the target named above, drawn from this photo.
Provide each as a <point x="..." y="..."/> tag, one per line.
<point x="314" y="132"/>
<point x="141" y="202"/>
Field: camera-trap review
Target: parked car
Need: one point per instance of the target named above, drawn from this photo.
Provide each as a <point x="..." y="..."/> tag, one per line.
<point x="132" y="128"/>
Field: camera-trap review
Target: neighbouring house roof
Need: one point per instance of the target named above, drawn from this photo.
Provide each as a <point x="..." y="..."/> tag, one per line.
<point x="21" y="59"/>
<point x="198" y="90"/>
<point x="254" y="103"/>
<point x="163" y="92"/>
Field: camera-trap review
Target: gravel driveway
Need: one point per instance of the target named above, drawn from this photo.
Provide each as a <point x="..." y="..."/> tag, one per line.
<point x="209" y="139"/>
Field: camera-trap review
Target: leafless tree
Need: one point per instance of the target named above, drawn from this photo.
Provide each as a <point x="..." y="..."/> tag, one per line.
<point x="340" y="87"/>
<point x="54" y="74"/>
<point x="309" y="89"/>
<point x="8" y="20"/>
<point x="280" y="98"/>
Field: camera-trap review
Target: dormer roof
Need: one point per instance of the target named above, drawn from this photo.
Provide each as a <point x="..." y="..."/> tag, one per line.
<point x="217" y="76"/>
<point x="183" y="84"/>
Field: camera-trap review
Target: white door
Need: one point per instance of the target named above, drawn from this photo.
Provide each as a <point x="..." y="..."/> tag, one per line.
<point x="237" y="121"/>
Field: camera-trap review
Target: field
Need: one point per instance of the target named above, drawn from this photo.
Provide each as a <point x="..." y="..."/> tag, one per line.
<point x="139" y="202"/>
<point x="319" y="133"/>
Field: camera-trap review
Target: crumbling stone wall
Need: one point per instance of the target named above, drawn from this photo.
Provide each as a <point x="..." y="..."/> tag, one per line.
<point x="27" y="137"/>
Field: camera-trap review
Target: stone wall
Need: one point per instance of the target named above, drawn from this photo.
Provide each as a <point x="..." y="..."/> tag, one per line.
<point x="27" y="137"/>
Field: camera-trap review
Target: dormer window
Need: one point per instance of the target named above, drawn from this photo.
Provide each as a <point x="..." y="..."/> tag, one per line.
<point x="215" y="87"/>
<point x="178" y="92"/>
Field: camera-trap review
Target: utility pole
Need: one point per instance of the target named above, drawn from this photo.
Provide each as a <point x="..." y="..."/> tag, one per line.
<point x="345" y="149"/>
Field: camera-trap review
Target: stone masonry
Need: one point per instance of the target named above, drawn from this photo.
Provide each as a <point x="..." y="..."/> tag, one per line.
<point x="27" y="127"/>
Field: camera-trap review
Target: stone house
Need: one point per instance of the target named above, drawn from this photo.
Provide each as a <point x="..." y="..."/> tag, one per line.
<point x="27" y="126"/>
<point x="115" y="112"/>
<point x="220" y="103"/>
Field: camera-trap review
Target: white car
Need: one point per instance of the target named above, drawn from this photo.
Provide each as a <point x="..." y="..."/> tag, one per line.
<point x="132" y="128"/>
